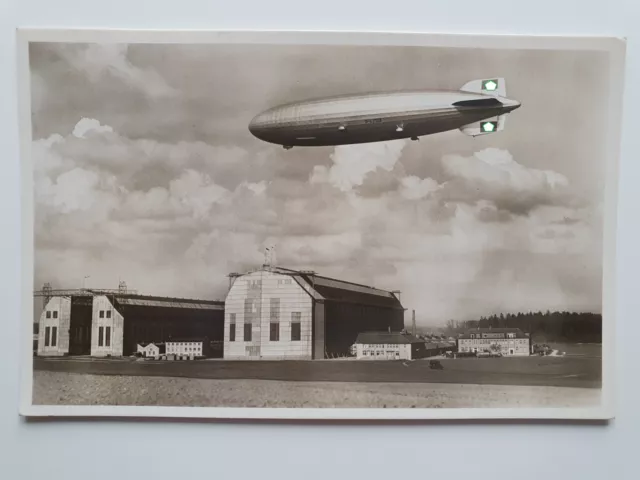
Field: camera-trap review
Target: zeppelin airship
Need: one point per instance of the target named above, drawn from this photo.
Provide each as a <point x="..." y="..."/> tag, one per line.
<point x="480" y="107"/>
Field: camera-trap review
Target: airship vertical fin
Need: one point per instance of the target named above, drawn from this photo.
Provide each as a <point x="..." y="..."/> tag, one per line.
<point x="486" y="86"/>
<point x="485" y="127"/>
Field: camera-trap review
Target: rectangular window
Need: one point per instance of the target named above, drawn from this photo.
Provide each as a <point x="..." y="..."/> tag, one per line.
<point x="232" y="332"/>
<point x="274" y="332"/>
<point x="47" y="333"/>
<point x="247" y="332"/>
<point x="54" y="336"/>
<point x="100" y="336"/>
<point x="101" y="313"/>
<point x="55" y="314"/>
<point x="275" y="309"/>
<point x="108" y="313"/>
<point x="48" y="313"/>
<point x="248" y="310"/>
<point x="107" y="337"/>
<point x="295" y="331"/>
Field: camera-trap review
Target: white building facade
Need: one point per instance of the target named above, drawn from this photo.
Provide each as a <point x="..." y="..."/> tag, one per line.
<point x="53" y="333"/>
<point x="388" y="346"/>
<point x="191" y="348"/>
<point x="268" y="315"/>
<point x="150" y="350"/>
<point x="506" y="341"/>
<point x="107" y="329"/>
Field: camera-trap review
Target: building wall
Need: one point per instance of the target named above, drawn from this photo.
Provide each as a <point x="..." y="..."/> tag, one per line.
<point x="110" y="318"/>
<point x="383" y="351"/>
<point x="508" y="346"/>
<point x="184" y="348"/>
<point x="345" y="321"/>
<point x="150" y="350"/>
<point x="60" y="320"/>
<point x="250" y="300"/>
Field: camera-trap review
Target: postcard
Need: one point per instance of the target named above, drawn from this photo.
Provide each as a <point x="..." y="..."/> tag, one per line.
<point x="318" y="225"/>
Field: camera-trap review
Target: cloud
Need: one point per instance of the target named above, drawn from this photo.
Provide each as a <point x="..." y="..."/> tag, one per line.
<point x="110" y="62"/>
<point x="89" y="125"/>
<point x="493" y="174"/>
<point x="352" y="163"/>
<point x="175" y="219"/>
<point x="415" y="188"/>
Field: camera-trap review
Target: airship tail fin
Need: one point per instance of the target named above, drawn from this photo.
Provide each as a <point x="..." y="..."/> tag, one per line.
<point x="486" y="86"/>
<point x="484" y="127"/>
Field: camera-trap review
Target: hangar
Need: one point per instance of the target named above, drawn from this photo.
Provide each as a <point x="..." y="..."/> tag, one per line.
<point x="278" y="313"/>
<point x="112" y="323"/>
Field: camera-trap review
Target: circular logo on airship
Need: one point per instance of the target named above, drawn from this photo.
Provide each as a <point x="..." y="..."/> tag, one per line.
<point x="489" y="127"/>
<point x="489" y="85"/>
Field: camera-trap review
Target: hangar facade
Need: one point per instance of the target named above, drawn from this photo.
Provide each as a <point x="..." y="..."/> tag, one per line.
<point x="278" y="313"/>
<point x="112" y="324"/>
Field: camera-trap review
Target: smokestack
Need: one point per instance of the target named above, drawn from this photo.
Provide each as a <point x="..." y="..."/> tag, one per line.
<point x="413" y="323"/>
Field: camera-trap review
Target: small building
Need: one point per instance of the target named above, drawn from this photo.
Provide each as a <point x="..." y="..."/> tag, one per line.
<point x="151" y="350"/>
<point x="389" y="346"/>
<point x="506" y="341"/>
<point x="188" y="347"/>
<point x="438" y="348"/>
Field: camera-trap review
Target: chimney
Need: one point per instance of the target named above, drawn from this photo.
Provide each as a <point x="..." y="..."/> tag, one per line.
<point x="413" y="323"/>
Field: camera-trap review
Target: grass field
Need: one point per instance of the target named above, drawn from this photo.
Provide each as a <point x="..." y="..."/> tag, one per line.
<point x="60" y="388"/>
<point x="569" y="371"/>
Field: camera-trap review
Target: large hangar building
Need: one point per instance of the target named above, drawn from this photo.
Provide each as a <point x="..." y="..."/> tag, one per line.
<point x="105" y="323"/>
<point x="277" y="313"/>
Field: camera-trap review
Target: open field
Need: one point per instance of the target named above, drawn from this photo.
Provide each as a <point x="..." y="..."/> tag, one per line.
<point x="57" y="388"/>
<point x="570" y="371"/>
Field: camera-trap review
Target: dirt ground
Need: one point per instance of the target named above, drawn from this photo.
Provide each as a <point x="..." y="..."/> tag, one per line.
<point x="58" y="388"/>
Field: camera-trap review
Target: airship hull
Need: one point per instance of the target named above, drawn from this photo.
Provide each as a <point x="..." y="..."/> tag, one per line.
<point x="375" y="117"/>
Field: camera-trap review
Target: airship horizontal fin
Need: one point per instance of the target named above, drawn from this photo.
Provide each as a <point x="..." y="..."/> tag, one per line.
<point x="478" y="102"/>
<point x="485" y="127"/>
<point x="486" y="86"/>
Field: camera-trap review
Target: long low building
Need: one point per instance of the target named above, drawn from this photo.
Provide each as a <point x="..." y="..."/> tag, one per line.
<point x="389" y="346"/>
<point x="87" y="322"/>
<point x="506" y="341"/>
<point x="277" y="313"/>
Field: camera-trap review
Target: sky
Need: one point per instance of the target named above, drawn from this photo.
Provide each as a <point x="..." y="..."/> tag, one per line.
<point x="145" y="171"/>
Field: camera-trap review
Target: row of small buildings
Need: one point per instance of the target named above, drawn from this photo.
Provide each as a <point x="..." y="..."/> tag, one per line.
<point x="269" y="313"/>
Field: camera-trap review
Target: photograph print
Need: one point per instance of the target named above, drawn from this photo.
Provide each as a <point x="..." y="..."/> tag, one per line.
<point x="343" y="226"/>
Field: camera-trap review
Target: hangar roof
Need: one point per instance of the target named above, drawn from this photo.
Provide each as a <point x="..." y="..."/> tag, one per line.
<point x="326" y="288"/>
<point x="141" y="301"/>
<point x="396" y="338"/>
<point x="475" y="331"/>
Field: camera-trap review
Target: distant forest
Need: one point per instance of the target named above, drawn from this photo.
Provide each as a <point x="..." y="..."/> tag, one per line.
<point x="569" y="327"/>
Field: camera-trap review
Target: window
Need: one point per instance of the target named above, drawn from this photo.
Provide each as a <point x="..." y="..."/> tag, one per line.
<point x="47" y="333"/>
<point x="274" y="314"/>
<point x="274" y="332"/>
<point x="54" y="336"/>
<point x="48" y="313"/>
<point x="55" y="314"/>
<point x="248" y="310"/>
<point x="107" y="337"/>
<point x="101" y="313"/>
<point x="108" y="313"/>
<point x="100" y="336"/>
<point x="247" y="332"/>
<point x="295" y="331"/>
<point x="232" y="327"/>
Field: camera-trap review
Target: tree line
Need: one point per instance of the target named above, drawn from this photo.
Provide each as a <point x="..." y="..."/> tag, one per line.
<point x="573" y="327"/>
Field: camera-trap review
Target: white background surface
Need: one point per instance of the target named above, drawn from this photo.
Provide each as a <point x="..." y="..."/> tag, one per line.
<point x="158" y="450"/>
